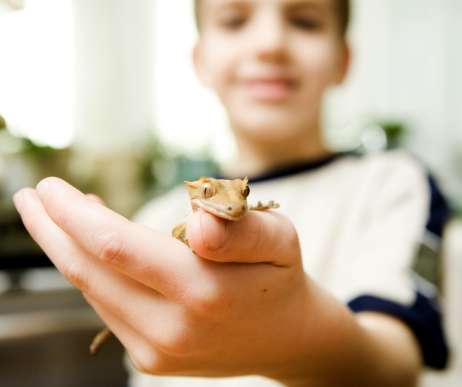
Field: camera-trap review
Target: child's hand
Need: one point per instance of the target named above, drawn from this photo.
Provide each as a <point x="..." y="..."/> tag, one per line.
<point x="242" y="306"/>
<point x="238" y="311"/>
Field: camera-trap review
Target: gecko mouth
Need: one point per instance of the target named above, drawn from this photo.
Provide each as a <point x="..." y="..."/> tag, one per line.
<point x="231" y="212"/>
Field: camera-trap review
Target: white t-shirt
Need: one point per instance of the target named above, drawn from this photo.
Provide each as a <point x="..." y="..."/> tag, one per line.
<point x="359" y="222"/>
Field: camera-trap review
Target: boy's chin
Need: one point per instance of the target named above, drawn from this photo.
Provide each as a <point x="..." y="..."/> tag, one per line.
<point x="268" y="131"/>
<point x="272" y="124"/>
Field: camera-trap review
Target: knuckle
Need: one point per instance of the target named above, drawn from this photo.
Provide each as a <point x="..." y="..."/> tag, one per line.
<point x="176" y="344"/>
<point x="156" y="363"/>
<point x="209" y="300"/>
<point x="109" y="247"/>
<point x="145" y="362"/>
<point x="33" y="225"/>
<point x="75" y="274"/>
<point x="138" y="363"/>
<point x="62" y="213"/>
<point x="175" y="339"/>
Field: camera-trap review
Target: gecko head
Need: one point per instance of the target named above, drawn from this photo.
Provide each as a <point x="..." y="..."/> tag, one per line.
<point x="224" y="198"/>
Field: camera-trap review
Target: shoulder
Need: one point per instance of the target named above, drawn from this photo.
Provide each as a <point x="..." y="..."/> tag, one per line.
<point x="396" y="166"/>
<point x="391" y="177"/>
<point x="368" y="184"/>
<point x="397" y="176"/>
<point x="372" y="172"/>
<point x="166" y="211"/>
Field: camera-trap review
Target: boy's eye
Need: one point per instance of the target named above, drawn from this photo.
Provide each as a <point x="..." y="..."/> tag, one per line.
<point x="232" y="23"/>
<point x="231" y="18"/>
<point x="306" y="23"/>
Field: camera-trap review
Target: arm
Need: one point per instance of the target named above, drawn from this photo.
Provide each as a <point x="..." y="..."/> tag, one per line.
<point x="331" y="345"/>
<point x="367" y="349"/>
<point x="245" y="307"/>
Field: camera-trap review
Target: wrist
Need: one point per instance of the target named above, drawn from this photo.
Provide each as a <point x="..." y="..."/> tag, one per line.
<point x="323" y="333"/>
<point x="337" y="347"/>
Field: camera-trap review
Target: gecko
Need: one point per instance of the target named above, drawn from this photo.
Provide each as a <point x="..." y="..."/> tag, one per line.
<point x="226" y="199"/>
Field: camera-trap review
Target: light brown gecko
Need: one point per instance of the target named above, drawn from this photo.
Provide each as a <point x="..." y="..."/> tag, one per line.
<point x="226" y="199"/>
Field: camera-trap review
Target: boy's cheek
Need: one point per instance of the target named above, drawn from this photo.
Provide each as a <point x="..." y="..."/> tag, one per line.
<point x="322" y="60"/>
<point x="215" y="67"/>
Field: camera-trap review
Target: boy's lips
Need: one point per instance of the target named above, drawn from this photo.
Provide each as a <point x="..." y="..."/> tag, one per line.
<point x="269" y="89"/>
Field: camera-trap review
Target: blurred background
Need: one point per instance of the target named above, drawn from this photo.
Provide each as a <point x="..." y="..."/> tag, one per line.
<point x="102" y="93"/>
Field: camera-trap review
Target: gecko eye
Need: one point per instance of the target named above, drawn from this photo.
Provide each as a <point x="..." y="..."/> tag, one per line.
<point x="246" y="191"/>
<point x="206" y="190"/>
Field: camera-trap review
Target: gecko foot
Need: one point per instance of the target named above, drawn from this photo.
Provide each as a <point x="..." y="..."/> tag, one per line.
<point x="260" y="206"/>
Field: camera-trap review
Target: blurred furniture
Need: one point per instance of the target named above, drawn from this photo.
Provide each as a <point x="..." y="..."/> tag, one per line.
<point x="45" y="335"/>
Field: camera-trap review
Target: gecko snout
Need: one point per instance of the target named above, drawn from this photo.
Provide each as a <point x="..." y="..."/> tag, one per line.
<point x="236" y="210"/>
<point x="230" y="208"/>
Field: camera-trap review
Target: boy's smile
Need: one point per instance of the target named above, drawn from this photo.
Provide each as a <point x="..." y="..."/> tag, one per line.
<point x="269" y="88"/>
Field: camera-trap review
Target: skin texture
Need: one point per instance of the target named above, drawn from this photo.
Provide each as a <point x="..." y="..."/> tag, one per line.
<point x="243" y="304"/>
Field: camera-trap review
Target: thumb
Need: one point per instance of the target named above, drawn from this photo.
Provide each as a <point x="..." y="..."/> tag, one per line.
<point x="261" y="236"/>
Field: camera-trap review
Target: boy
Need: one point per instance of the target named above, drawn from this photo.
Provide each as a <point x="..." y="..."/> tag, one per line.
<point x="244" y="305"/>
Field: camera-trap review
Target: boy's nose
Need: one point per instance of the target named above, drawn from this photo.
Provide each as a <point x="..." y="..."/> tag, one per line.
<point x="269" y="37"/>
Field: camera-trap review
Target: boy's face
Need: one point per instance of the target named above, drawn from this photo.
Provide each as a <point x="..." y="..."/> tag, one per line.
<point x="270" y="61"/>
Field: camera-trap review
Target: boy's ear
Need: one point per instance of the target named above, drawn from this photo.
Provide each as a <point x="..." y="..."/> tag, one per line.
<point x="199" y="67"/>
<point x="344" y="62"/>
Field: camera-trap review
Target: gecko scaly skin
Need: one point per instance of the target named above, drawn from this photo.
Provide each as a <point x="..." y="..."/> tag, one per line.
<point x="226" y="199"/>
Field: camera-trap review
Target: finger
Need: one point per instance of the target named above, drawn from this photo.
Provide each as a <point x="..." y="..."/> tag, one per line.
<point x="149" y="256"/>
<point x="150" y="351"/>
<point x="96" y="199"/>
<point x="121" y="294"/>
<point x="130" y="338"/>
<point x="263" y="236"/>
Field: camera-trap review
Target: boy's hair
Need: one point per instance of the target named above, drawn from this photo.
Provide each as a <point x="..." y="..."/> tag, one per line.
<point x="342" y="12"/>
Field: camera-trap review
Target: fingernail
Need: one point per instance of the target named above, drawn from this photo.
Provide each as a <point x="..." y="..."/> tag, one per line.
<point x="42" y="188"/>
<point x="214" y="231"/>
<point x="18" y="200"/>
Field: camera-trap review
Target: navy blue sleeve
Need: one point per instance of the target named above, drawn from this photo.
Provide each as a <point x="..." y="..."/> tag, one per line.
<point x="439" y="210"/>
<point x="423" y="318"/>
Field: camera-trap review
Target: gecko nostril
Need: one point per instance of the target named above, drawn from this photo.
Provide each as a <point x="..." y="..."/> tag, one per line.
<point x="230" y="208"/>
<point x="243" y="208"/>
